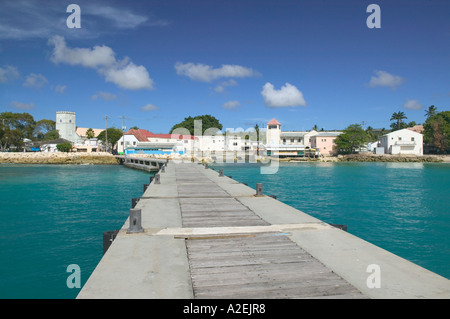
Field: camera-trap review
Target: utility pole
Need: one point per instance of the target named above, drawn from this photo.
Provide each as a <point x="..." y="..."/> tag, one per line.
<point x="106" y="133"/>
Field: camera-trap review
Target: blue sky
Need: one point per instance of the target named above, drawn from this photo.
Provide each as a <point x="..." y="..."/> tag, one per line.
<point x="302" y="62"/>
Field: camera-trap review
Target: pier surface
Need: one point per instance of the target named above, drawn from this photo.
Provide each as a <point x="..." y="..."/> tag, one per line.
<point x="208" y="236"/>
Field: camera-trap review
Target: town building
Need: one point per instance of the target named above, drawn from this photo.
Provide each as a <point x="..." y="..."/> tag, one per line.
<point x="403" y="141"/>
<point x="324" y="143"/>
<point x="140" y="141"/>
<point x="298" y="143"/>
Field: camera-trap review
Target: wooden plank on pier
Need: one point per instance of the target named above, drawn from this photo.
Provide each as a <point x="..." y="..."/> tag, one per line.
<point x="260" y="266"/>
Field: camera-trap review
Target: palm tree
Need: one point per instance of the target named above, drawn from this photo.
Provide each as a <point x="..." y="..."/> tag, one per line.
<point x="431" y="111"/>
<point x="398" y="116"/>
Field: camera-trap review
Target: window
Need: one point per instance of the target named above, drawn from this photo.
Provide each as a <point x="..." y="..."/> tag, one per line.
<point x="412" y="139"/>
<point x="292" y="140"/>
<point x="134" y="143"/>
<point x="399" y="138"/>
<point x="235" y="144"/>
<point x="284" y="140"/>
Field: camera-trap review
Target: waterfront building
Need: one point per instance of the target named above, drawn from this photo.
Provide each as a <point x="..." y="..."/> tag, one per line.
<point x="324" y="143"/>
<point x="141" y="141"/>
<point x="401" y="142"/>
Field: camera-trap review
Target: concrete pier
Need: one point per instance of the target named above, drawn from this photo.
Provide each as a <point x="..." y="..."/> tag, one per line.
<point x="208" y="236"/>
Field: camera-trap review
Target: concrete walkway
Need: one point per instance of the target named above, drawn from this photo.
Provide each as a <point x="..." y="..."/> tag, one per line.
<point x="207" y="236"/>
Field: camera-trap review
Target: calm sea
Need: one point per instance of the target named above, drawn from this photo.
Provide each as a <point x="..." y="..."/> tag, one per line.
<point x="54" y="216"/>
<point x="401" y="207"/>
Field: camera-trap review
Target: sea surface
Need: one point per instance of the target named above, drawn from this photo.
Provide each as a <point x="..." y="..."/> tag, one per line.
<point x="401" y="207"/>
<point x="53" y="216"/>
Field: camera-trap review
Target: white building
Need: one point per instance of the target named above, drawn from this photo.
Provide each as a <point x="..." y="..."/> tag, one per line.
<point x="402" y="142"/>
<point x="287" y="144"/>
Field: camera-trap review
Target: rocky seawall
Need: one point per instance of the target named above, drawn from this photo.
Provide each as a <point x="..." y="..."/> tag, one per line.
<point x="99" y="158"/>
<point x="393" y="158"/>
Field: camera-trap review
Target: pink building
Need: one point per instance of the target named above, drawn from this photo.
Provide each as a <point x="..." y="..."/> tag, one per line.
<point x="324" y="142"/>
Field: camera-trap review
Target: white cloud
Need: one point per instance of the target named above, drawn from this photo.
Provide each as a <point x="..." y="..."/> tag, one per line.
<point x="99" y="56"/>
<point x="287" y="96"/>
<point x="60" y="89"/>
<point x="105" y="96"/>
<point x="25" y="19"/>
<point x="231" y="105"/>
<point x="22" y="106"/>
<point x="123" y="73"/>
<point x="221" y="87"/>
<point x="206" y="73"/>
<point x="34" y="80"/>
<point x="8" y="73"/>
<point x="149" y="107"/>
<point x="413" y="105"/>
<point x="121" y="18"/>
<point x="130" y="77"/>
<point x="384" y="78"/>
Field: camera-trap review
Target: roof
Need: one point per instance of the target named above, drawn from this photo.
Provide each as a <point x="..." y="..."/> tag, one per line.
<point x="416" y="128"/>
<point x="273" y="122"/>
<point x="143" y="135"/>
<point x="57" y="141"/>
<point x="329" y="134"/>
<point x="81" y="131"/>
<point x="396" y="132"/>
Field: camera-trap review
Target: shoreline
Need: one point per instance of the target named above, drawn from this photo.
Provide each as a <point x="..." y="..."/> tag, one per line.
<point x="103" y="158"/>
<point x="100" y="158"/>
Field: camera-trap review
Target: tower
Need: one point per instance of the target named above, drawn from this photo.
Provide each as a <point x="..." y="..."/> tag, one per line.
<point x="273" y="133"/>
<point x="65" y="125"/>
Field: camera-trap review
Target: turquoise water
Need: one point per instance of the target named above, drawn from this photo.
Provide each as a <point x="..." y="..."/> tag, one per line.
<point x="401" y="207"/>
<point x="52" y="216"/>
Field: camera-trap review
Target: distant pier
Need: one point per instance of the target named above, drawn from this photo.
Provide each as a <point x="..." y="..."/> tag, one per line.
<point x="195" y="233"/>
<point x="143" y="163"/>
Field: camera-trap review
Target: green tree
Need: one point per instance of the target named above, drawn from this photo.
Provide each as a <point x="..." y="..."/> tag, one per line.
<point x="23" y="122"/>
<point x="207" y="121"/>
<point x="114" y="134"/>
<point x="398" y="116"/>
<point x="430" y="111"/>
<point x="51" y="135"/>
<point x="42" y="127"/>
<point x="64" y="147"/>
<point x="352" y="139"/>
<point x="437" y="131"/>
<point x="90" y="133"/>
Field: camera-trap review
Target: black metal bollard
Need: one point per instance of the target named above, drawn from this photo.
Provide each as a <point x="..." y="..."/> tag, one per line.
<point x="108" y="238"/>
<point x="134" y="202"/>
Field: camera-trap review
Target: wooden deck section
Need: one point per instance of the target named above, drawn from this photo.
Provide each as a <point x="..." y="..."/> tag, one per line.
<point x="246" y="265"/>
